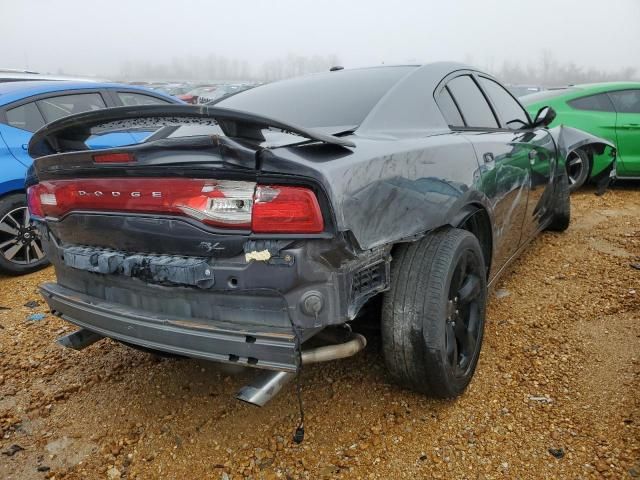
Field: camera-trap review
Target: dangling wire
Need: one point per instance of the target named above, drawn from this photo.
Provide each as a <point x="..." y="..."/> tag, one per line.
<point x="298" y="436"/>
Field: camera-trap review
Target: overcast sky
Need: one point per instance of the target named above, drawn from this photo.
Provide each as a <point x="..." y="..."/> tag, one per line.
<point x="87" y="36"/>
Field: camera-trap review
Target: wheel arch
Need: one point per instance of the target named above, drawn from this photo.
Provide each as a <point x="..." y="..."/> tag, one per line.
<point x="594" y="151"/>
<point x="476" y="219"/>
<point x="12" y="192"/>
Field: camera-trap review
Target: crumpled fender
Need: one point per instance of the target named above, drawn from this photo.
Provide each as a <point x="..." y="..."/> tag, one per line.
<point x="569" y="139"/>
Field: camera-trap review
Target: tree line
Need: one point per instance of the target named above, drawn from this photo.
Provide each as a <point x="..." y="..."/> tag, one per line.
<point x="550" y="72"/>
<point x="546" y="71"/>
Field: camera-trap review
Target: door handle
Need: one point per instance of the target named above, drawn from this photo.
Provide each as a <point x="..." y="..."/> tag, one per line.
<point x="630" y="125"/>
<point x="488" y="157"/>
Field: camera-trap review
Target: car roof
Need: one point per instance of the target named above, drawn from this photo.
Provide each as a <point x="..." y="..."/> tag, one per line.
<point x="388" y="105"/>
<point x="563" y="94"/>
<point x="14" y="91"/>
<point x="607" y="85"/>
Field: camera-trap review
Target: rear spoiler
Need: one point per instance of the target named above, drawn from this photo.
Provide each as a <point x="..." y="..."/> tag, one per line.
<point x="70" y="133"/>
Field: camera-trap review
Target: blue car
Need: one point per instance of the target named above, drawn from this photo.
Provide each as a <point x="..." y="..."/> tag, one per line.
<point x="24" y="108"/>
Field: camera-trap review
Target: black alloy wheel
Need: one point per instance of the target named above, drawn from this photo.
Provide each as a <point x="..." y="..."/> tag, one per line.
<point x="463" y="314"/>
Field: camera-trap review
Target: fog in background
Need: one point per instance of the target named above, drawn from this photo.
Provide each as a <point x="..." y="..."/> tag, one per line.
<point x="549" y="42"/>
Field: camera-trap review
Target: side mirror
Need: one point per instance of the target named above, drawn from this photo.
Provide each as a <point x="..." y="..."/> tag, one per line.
<point x="544" y="117"/>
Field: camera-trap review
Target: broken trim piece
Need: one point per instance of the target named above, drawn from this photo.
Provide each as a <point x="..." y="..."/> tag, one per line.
<point x="258" y="256"/>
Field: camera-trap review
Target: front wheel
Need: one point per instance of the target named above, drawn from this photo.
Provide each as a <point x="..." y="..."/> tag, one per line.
<point x="433" y="316"/>
<point x="20" y="244"/>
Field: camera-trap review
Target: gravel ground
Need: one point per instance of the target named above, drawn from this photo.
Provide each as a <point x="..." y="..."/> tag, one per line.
<point x="556" y="393"/>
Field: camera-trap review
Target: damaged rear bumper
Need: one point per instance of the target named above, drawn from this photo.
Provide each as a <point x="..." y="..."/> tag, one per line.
<point x="230" y="309"/>
<point x="273" y="349"/>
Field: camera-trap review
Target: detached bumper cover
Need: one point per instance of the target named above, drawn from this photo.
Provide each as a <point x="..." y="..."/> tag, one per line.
<point x="273" y="349"/>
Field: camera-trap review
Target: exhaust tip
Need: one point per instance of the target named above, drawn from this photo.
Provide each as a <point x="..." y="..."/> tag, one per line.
<point x="79" y="339"/>
<point x="264" y="387"/>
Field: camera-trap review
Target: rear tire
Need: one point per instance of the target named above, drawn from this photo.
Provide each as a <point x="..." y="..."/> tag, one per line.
<point x="578" y="167"/>
<point x="20" y="246"/>
<point x="561" y="215"/>
<point x="433" y="316"/>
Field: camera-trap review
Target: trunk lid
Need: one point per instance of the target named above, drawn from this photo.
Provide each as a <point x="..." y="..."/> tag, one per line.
<point x="186" y="195"/>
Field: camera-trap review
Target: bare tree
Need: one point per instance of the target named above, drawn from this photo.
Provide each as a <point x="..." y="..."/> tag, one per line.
<point x="551" y="73"/>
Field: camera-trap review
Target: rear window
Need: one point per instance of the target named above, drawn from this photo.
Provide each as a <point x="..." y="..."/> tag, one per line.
<point x="26" y="117"/>
<point x="134" y="99"/>
<point x="54" y="108"/>
<point x="341" y="98"/>
<point x="596" y="103"/>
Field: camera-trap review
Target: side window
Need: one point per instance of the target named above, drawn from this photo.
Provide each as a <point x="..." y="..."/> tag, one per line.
<point x="54" y="108"/>
<point x="449" y="109"/>
<point x="26" y="117"/>
<point x="626" y="101"/>
<point x="132" y="99"/>
<point x="509" y="110"/>
<point x="473" y="106"/>
<point x="596" y="103"/>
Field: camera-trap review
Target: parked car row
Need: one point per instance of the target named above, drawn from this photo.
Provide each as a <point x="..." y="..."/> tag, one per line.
<point x="610" y="111"/>
<point x="522" y="90"/>
<point x="198" y="93"/>
<point x="212" y="93"/>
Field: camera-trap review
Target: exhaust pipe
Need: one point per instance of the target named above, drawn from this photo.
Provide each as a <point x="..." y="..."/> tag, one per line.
<point x="79" y="339"/>
<point x="334" y="352"/>
<point x="266" y="385"/>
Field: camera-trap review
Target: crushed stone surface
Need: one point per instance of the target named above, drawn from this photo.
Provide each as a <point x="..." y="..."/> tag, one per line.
<point x="556" y="393"/>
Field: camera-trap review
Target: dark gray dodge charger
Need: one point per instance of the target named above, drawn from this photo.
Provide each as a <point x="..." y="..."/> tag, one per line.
<point x="252" y="231"/>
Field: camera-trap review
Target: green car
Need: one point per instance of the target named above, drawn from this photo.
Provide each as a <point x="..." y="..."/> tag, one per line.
<point x="607" y="110"/>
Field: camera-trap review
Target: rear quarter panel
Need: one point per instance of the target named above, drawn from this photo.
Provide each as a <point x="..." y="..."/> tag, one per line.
<point x="385" y="191"/>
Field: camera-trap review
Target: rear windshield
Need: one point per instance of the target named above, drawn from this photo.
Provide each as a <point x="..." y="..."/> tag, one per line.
<point x="340" y="98"/>
<point x="546" y="95"/>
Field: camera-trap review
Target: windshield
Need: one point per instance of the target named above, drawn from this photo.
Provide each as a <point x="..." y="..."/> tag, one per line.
<point x="343" y="97"/>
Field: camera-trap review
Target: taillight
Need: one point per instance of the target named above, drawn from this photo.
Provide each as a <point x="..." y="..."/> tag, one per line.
<point x="33" y="200"/>
<point x="113" y="158"/>
<point x="223" y="203"/>
<point x="280" y="209"/>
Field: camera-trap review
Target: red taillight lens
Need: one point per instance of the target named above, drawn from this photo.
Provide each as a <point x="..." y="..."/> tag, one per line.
<point x="279" y="209"/>
<point x="223" y="203"/>
<point x="113" y="158"/>
<point x="33" y="200"/>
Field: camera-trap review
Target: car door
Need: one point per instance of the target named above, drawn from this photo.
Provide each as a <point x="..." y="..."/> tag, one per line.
<point x="503" y="164"/>
<point x="627" y="104"/>
<point x="532" y="149"/>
